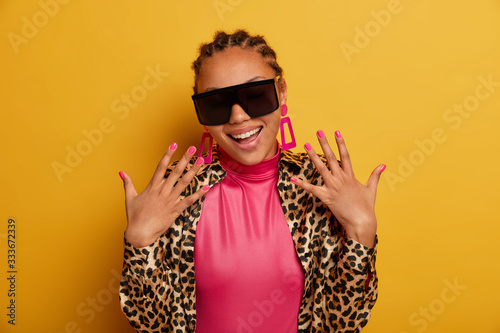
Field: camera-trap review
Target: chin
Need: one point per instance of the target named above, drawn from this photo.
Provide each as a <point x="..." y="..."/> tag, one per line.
<point x="250" y="153"/>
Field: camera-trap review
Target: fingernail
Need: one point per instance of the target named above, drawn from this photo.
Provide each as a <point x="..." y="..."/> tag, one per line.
<point x="192" y="149"/>
<point x="173" y="146"/>
<point x="122" y="176"/>
<point x="337" y="133"/>
<point x="382" y="168"/>
<point x="293" y="180"/>
<point x="308" y="146"/>
<point x="320" y="134"/>
<point x="199" y="161"/>
<point x="206" y="188"/>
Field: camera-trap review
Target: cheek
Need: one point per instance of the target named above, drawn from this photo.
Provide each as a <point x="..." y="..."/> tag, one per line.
<point x="215" y="131"/>
<point x="273" y="122"/>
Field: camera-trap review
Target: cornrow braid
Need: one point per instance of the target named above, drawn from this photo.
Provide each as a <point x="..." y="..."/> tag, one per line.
<point x="241" y="38"/>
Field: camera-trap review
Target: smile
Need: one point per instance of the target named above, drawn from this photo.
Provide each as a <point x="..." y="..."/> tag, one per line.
<point x="247" y="134"/>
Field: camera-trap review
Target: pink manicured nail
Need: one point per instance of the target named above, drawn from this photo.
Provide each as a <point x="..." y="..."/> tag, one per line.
<point x="199" y="161"/>
<point x="320" y="134"/>
<point x="206" y="188"/>
<point x="308" y="146"/>
<point x="173" y="146"/>
<point x="337" y="133"/>
<point x="122" y="176"/>
<point x="293" y="180"/>
<point x="382" y="168"/>
<point x="192" y="149"/>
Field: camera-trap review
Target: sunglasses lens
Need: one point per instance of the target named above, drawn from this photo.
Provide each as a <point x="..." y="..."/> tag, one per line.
<point x="259" y="100"/>
<point x="214" y="109"/>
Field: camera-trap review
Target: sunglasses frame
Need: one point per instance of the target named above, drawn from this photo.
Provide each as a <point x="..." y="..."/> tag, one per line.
<point x="234" y="90"/>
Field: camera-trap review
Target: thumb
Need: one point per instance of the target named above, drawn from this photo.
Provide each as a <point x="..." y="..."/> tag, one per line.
<point x="372" y="182"/>
<point x="128" y="184"/>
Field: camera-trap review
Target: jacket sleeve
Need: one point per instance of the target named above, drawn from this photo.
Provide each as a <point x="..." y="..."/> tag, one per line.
<point x="356" y="284"/>
<point x="157" y="283"/>
<point x="146" y="288"/>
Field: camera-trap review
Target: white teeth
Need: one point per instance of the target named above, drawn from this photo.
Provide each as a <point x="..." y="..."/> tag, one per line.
<point x="246" y="135"/>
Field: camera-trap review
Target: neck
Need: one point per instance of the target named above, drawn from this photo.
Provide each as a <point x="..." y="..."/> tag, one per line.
<point x="269" y="165"/>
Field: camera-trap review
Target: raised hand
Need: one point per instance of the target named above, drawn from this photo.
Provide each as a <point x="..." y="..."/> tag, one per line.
<point x="152" y="212"/>
<point x="352" y="203"/>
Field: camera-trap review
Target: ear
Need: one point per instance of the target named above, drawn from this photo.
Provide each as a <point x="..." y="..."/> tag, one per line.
<point x="282" y="91"/>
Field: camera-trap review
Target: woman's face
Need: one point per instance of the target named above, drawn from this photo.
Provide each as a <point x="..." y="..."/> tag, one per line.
<point x="235" y="66"/>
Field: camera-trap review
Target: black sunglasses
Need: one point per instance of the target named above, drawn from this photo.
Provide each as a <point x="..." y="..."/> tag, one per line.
<point x="256" y="98"/>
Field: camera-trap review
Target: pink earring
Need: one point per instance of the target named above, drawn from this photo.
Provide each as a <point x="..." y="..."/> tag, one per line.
<point x="286" y="120"/>
<point x="206" y="159"/>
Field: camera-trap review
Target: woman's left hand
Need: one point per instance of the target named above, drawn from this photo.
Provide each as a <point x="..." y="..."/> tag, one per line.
<point x="352" y="203"/>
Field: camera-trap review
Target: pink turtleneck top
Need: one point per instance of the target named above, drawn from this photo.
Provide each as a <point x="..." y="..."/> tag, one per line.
<point x="248" y="276"/>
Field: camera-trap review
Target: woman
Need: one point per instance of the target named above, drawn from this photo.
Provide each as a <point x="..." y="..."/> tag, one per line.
<point x="280" y="242"/>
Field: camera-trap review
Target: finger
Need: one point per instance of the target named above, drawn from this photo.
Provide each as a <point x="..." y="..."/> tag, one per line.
<point x="320" y="165"/>
<point x="163" y="165"/>
<point x="130" y="191"/>
<point x="314" y="190"/>
<point x="188" y="201"/>
<point x="372" y="182"/>
<point x="180" y="167"/>
<point x="345" y="158"/>
<point x="327" y="150"/>
<point x="187" y="177"/>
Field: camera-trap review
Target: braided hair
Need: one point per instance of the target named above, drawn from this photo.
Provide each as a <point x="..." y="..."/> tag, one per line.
<point x="241" y="38"/>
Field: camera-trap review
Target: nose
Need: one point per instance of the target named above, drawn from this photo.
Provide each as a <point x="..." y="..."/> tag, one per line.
<point x="238" y="115"/>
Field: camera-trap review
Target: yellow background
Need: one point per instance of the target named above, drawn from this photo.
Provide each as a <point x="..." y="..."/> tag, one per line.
<point x="438" y="206"/>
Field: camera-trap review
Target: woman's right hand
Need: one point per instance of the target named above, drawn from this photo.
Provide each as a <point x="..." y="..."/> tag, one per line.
<point x="152" y="212"/>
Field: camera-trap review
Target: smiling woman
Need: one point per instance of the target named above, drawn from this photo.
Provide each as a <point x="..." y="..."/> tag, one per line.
<point x="259" y="239"/>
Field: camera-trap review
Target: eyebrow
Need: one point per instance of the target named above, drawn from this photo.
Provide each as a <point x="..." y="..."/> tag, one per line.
<point x="251" y="80"/>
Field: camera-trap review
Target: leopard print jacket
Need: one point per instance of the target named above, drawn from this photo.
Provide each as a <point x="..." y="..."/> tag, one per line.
<point x="157" y="289"/>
